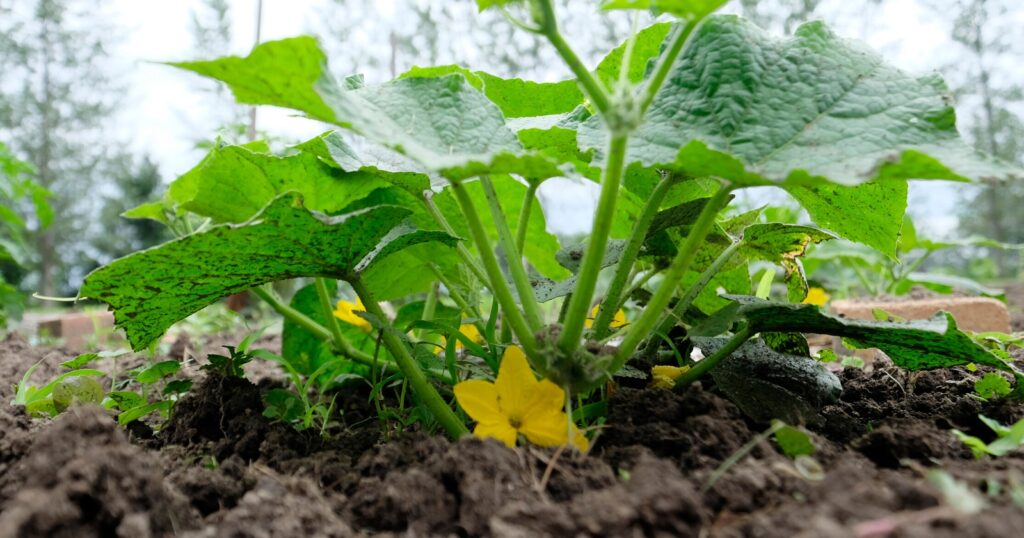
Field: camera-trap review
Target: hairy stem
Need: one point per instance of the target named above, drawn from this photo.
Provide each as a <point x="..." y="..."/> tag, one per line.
<point x="691" y="294"/>
<point x="641" y="328"/>
<point x="328" y="311"/>
<point x="464" y="254"/>
<point x="593" y="257"/>
<point x="499" y="287"/>
<point x="548" y="26"/>
<point x="524" y="216"/>
<point x="610" y="304"/>
<point x="707" y="363"/>
<point x="513" y="256"/>
<point x="410" y="368"/>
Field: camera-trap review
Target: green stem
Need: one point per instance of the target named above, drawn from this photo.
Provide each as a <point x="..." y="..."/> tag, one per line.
<point x="524" y="216"/>
<point x="460" y="249"/>
<point x="499" y="286"/>
<point x="679" y="310"/>
<point x="548" y="25"/>
<point x="622" y="271"/>
<point x="410" y="368"/>
<point x="707" y="363"/>
<point x="328" y="311"/>
<point x="641" y="328"/>
<point x="593" y="258"/>
<point x="461" y="301"/>
<point x="513" y="257"/>
<point x="668" y="58"/>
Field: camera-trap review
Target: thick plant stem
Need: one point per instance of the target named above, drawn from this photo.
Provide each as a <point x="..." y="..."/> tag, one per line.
<point x="597" y="94"/>
<point x="593" y="258"/>
<point x="513" y="256"/>
<point x="610" y="304"/>
<point x="668" y="58"/>
<point x="328" y="311"/>
<point x="641" y="328"/>
<point x="464" y="255"/>
<point x="499" y="287"/>
<point x="691" y="294"/>
<point x="524" y="216"/>
<point x="707" y="363"/>
<point x="410" y="368"/>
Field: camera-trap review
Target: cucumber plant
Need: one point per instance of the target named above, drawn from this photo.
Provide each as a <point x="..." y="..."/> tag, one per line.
<point x="429" y="188"/>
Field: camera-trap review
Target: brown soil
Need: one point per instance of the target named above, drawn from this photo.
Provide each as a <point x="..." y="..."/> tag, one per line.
<point x="219" y="468"/>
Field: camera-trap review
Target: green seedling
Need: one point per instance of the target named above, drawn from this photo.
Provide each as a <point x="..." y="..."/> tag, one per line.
<point x="77" y="386"/>
<point x="229" y="365"/>
<point x="1008" y="439"/>
<point x="295" y="406"/>
<point x="438" y="204"/>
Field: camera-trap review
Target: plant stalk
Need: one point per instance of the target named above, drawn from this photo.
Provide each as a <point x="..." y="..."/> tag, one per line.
<point x="548" y="25"/>
<point x="328" y="312"/>
<point x="704" y="365"/>
<point x="464" y="254"/>
<point x="410" y="368"/>
<point x="524" y="217"/>
<point x="642" y="327"/>
<point x="593" y="257"/>
<point x="610" y="304"/>
<point x="499" y="286"/>
<point x="513" y="256"/>
<point x="691" y="294"/>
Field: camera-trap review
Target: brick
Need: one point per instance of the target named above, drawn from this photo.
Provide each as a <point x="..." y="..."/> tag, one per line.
<point x="77" y="328"/>
<point x="979" y="314"/>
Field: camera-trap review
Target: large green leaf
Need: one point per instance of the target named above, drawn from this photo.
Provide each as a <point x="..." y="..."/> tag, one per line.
<point x="869" y="213"/>
<point x="753" y="109"/>
<point x="152" y="289"/>
<point x="686" y="9"/>
<point x="443" y="123"/>
<point x="233" y="183"/>
<point x="915" y="345"/>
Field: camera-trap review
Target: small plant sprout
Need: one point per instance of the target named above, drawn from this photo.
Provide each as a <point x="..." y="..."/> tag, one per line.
<point x="517" y="404"/>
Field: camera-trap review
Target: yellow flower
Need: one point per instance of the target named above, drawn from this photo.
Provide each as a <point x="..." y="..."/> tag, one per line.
<point x="618" y="320"/>
<point x="516" y="403"/>
<point x="346" y="311"/>
<point x="816" y="296"/>
<point x="664" y="377"/>
<point x="470" y="331"/>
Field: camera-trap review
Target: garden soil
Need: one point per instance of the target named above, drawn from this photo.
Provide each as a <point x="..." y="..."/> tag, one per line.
<point x="220" y="469"/>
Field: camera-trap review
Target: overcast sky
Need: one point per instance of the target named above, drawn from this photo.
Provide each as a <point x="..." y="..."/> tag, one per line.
<point x="165" y="111"/>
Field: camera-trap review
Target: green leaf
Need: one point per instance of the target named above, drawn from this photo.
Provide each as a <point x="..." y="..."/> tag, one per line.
<point x="792" y="441"/>
<point x="869" y="213"/>
<point x="234" y="183"/>
<point x="992" y="385"/>
<point x="125" y="399"/>
<point x="783" y="244"/>
<point x="443" y="123"/>
<point x="151" y="290"/>
<point x="685" y="9"/>
<point x="153" y="210"/>
<point x="646" y="47"/>
<point x="914" y="345"/>
<point x="757" y="110"/>
<point x="157" y="371"/>
<point x="163" y="407"/>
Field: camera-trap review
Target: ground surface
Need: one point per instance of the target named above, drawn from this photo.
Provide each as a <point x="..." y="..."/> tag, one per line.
<point x="221" y="469"/>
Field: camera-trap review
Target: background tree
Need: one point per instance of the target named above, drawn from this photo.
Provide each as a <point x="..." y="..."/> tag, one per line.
<point x="55" y="98"/>
<point x="990" y="108"/>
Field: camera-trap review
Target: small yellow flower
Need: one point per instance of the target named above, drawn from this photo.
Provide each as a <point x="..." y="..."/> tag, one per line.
<point x="346" y="311"/>
<point x="618" y="320"/>
<point x="470" y="331"/>
<point x="516" y="403"/>
<point x="664" y="377"/>
<point x="816" y="296"/>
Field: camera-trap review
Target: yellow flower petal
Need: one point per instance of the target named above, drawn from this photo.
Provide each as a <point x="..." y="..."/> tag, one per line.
<point x="618" y="320"/>
<point x="548" y="427"/>
<point x="501" y="431"/>
<point x="546" y="395"/>
<point x="346" y="311"/>
<point x="816" y="296"/>
<point x="515" y="383"/>
<point x="664" y="376"/>
<point x="471" y="332"/>
<point x="580" y="441"/>
<point x="479" y="399"/>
